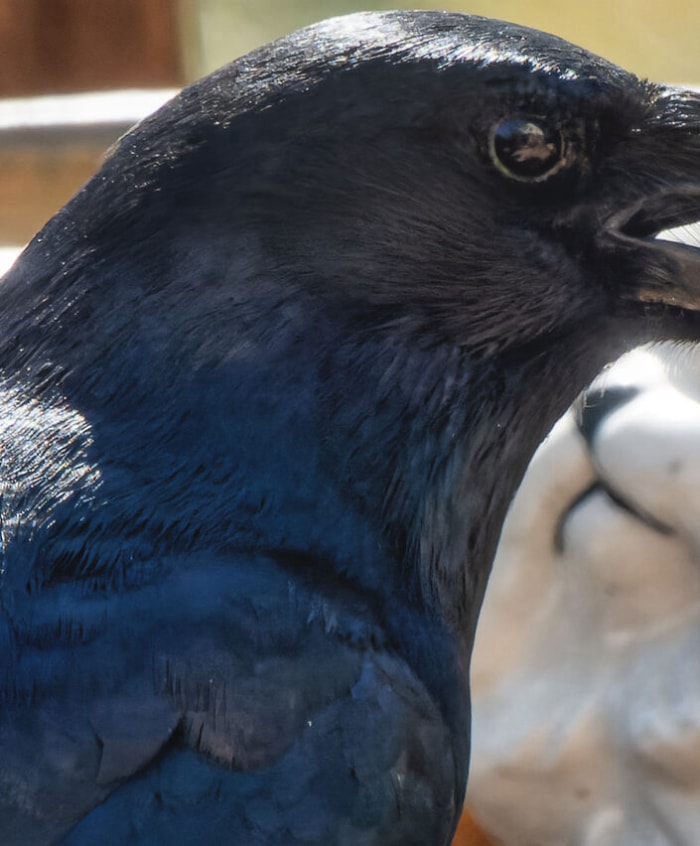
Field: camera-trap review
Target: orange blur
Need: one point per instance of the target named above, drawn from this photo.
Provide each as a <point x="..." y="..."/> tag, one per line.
<point x="469" y="833"/>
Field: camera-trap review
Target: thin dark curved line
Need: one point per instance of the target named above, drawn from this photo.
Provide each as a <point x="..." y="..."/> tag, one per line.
<point x="617" y="499"/>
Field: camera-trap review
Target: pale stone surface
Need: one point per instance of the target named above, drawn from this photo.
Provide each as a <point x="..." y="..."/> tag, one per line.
<point x="587" y="670"/>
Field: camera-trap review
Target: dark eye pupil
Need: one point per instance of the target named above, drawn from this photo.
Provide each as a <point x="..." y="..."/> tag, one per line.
<point x="526" y="149"/>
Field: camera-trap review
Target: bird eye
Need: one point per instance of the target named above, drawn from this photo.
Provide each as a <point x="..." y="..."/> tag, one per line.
<point x="526" y="149"/>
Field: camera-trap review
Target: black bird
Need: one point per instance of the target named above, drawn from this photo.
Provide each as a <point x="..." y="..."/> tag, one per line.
<point x="269" y="382"/>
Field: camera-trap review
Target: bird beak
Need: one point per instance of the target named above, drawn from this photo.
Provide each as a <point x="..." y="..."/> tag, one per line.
<point x="657" y="230"/>
<point x="652" y="235"/>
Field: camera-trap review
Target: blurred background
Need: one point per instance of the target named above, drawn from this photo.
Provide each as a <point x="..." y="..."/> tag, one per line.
<point x="75" y="74"/>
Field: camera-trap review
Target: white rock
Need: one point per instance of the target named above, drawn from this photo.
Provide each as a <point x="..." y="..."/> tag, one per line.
<point x="586" y="675"/>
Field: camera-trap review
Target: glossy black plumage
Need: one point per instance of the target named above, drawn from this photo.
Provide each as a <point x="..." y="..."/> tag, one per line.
<point x="269" y="383"/>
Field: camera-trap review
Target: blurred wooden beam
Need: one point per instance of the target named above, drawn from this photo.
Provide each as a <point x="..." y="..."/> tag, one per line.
<point x="61" y="46"/>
